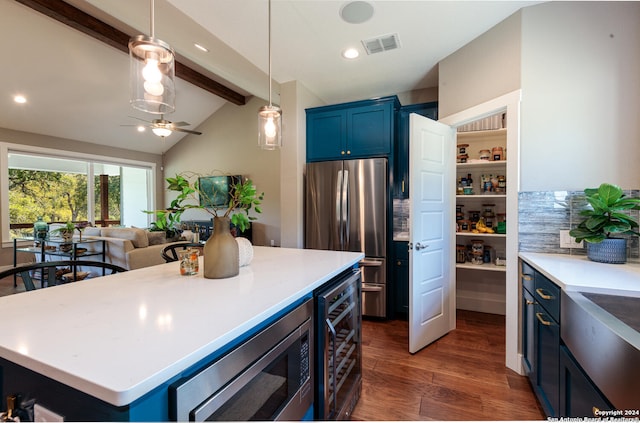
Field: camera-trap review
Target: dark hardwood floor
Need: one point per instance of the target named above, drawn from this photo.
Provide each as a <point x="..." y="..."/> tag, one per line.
<point x="462" y="376"/>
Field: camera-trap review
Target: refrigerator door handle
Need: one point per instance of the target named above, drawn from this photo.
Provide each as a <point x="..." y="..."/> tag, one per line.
<point x="345" y="209"/>
<point x="339" y="207"/>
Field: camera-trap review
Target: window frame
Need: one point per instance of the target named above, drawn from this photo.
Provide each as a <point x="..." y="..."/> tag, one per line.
<point x="91" y="159"/>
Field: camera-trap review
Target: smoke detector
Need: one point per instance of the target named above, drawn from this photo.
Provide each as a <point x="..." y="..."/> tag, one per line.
<point x="356" y="12"/>
<point x="381" y="43"/>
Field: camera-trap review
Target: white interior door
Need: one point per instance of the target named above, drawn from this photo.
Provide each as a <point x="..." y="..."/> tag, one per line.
<point x="432" y="302"/>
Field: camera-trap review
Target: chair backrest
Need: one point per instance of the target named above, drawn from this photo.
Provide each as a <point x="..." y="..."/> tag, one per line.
<point x="170" y="252"/>
<point x="52" y="273"/>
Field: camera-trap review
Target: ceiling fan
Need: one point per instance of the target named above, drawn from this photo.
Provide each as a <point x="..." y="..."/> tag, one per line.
<point x="163" y="128"/>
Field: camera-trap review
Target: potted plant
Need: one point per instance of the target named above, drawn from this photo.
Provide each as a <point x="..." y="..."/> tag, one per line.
<point x="221" y="253"/>
<point x="66" y="231"/>
<point x="606" y="220"/>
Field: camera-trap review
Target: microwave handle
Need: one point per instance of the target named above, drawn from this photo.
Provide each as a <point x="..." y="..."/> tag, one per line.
<point x="335" y="376"/>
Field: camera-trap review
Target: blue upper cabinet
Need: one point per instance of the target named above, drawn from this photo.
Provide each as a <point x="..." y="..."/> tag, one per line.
<point x="351" y="130"/>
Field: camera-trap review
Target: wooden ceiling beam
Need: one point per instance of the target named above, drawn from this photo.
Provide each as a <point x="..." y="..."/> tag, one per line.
<point x="87" y="24"/>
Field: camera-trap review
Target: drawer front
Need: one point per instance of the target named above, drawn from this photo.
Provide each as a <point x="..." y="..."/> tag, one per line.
<point x="528" y="277"/>
<point x="547" y="294"/>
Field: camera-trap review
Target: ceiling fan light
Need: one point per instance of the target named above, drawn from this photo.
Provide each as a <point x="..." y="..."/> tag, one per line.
<point x="161" y="132"/>
<point x="152" y="75"/>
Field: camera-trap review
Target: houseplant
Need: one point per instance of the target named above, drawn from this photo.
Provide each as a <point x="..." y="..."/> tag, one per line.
<point x="606" y="220"/>
<point x="66" y="231"/>
<point x="221" y="255"/>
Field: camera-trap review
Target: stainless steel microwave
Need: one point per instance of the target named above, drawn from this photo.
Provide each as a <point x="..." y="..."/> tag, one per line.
<point x="268" y="377"/>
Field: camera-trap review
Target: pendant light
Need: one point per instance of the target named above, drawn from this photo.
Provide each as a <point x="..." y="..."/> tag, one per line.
<point x="270" y="117"/>
<point x="152" y="73"/>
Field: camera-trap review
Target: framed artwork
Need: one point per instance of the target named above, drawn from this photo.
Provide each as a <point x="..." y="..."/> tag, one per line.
<point x="215" y="190"/>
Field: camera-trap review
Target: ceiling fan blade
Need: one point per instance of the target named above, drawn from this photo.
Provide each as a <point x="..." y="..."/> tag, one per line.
<point x="134" y="117"/>
<point x="187" y="131"/>
<point x="181" y="123"/>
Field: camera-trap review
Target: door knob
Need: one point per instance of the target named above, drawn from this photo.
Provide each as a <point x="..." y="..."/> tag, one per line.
<point x="421" y="246"/>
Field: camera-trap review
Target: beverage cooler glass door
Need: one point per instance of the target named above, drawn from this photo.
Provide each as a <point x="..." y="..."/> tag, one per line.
<point x="340" y="363"/>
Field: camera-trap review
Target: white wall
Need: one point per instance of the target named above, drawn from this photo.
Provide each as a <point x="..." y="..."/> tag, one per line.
<point x="482" y="70"/>
<point x="580" y="95"/>
<point x="229" y="144"/>
<point x="295" y="97"/>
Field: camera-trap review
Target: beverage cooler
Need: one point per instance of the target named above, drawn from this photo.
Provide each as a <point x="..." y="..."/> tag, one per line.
<point x="338" y="347"/>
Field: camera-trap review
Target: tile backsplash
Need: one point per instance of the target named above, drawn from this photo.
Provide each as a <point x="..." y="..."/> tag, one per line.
<point x="543" y="214"/>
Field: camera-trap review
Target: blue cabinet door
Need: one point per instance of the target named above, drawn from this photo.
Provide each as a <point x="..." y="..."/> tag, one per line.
<point x="370" y="130"/>
<point x="578" y="394"/>
<point x="547" y="340"/>
<point x="528" y="330"/>
<point x="326" y="135"/>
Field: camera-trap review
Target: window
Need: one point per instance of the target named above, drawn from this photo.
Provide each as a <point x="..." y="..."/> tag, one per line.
<point x="63" y="187"/>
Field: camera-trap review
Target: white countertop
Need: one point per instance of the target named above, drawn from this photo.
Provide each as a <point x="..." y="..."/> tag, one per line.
<point x="578" y="273"/>
<point x="120" y="336"/>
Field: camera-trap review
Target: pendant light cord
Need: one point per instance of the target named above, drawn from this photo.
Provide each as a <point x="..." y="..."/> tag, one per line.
<point x="269" y="53"/>
<point x="152" y="18"/>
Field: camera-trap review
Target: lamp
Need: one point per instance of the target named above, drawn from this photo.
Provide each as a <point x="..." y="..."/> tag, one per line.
<point x="270" y="117"/>
<point x="161" y="132"/>
<point x="152" y="73"/>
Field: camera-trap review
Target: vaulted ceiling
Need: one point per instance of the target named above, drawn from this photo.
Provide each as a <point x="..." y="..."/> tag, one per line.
<point x="77" y="86"/>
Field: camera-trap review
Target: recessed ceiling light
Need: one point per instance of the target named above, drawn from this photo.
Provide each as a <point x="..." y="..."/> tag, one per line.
<point x="350" y="53"/>
<point x="20" y="99"/>
<point x="201" y="47"/>
<point x="356" y="12"/>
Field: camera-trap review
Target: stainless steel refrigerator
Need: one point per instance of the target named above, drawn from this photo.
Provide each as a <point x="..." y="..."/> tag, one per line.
<point x="346" y="210"/>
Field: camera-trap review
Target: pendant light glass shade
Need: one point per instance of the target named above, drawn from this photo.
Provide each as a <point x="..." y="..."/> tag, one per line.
<point x="269" y="127"/>
<point x="152" y="72"/>
<point x="270" y="117"/>
<point x="152" y="68"/>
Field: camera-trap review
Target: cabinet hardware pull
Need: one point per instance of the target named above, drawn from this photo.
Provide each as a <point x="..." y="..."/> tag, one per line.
<point x="529" y="302"/>
<point x="348" y="151"/>
<point x="527" y="277"/>
<point x="544" y="322"/>
<point x="342" y="152"/>
<point x="403" y="185"/>
<point x="543" y="295"/>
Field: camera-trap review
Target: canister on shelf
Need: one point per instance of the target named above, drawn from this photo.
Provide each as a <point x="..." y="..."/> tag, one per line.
<point x="462" y="158"/>
<point x="497" y="153"/>
<point x="502" y="184"/>
<point x="485" y="155"/>
<point x="462" y="148"/>
<point x="488" y="214"/>
<point x="477" y="251"/>
<point x="474" y="215"/>
<point x="461" y="253"/>
<point x="464" y="225"/>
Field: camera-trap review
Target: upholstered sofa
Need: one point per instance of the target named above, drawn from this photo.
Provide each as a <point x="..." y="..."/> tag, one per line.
<point x="131" y="248"/>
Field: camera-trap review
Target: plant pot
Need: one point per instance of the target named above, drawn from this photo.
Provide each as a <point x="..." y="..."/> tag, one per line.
<point x="221" y="254"/>
<point x="67" y="235"/>
<point x="611" y="250"/>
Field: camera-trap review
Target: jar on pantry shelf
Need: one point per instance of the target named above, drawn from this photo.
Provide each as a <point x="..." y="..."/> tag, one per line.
<point x="477" y="251"/>
<point x="461" y="253"/>
<point x="459" y="213"/>
<point x="486" y="256"/>
<point x="462" y="158"/>
<point x="485" y="155"/>
<point x="497" y="153"/>
<point x="502" y="184"/>
<point x="485" y="184"/>
<point x="465" y="225"/>
<point x="501" y="227"/>
<point x="462" y="148"/>
<point x="488" y="214"/>
<point x="474" y="215"/>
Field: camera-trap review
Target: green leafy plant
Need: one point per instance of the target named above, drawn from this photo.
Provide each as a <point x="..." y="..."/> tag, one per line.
<point x="606" y="219"/>
<point x="67" y="227"/>
<point x="244" y="199"/>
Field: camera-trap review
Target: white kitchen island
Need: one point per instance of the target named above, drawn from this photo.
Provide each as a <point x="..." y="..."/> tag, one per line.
<point x="120" y="337"/>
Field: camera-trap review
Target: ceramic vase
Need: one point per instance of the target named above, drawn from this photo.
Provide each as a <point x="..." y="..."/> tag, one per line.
<point x="221" y="255"/>
<point x="611" y="250"/>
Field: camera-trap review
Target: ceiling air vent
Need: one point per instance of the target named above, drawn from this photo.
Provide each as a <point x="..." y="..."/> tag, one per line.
<point x="381" y="43"/>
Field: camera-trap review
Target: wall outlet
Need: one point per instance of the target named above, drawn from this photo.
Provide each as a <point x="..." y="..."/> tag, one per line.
<point x="41" y="414"/>
<point x="567" y="241"/>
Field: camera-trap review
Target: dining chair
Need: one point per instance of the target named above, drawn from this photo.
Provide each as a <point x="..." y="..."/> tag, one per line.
<point x="170" y="252"/>
<point x="51" y="273"/>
